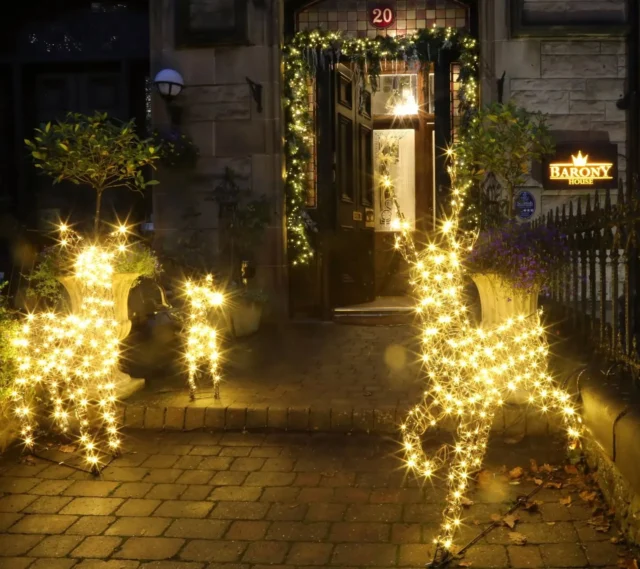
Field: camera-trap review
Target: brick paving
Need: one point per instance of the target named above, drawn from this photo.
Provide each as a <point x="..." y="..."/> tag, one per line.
<point x="242" y="501"/>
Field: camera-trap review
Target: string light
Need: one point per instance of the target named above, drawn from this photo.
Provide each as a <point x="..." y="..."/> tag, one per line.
<point x="202" y="338"/>
<point x="470" y="371"/>
<point x="70" y="360"/>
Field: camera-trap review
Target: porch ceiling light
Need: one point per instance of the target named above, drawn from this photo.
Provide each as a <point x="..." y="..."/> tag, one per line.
<point x="169" y="83"/>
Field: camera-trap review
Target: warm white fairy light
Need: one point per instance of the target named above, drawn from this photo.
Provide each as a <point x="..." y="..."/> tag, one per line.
<point x="202" y="339"/>
<point x="71" y="359"/>
<point x="470" y="371"/>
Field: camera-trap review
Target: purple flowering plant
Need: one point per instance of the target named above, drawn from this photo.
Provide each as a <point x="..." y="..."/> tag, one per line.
<point x="524" y="257"/>
<point x="175" y="148"/>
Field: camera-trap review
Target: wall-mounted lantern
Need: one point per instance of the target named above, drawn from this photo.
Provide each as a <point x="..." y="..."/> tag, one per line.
<point x="169" y="84"/>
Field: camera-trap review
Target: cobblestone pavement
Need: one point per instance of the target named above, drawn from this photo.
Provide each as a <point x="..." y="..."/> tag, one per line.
<point x="297" y="364"/>
<point x="247" y="501"/>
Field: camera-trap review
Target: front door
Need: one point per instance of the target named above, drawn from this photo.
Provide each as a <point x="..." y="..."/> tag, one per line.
<point x="346" y="136"/>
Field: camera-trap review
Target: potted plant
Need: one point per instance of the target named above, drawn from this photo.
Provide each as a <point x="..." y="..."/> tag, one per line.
<point x="244" y="220"/>
<point x="510" y="261"/>
<point x="101" y="154"/>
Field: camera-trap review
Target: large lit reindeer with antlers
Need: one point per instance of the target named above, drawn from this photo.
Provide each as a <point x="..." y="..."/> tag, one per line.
<point x="470" y="371"/>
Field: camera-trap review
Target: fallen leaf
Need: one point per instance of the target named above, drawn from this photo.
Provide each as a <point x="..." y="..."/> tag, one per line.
<point x="510" y="521"/>
<point x="476" y="522"/>
<point x="517" y="538"/>
<point x="513" y="440"/>
<point x="570" y="469"/>
<point x="628" y="563"/>
<point x="68" y="449"/>
<point x="566" y="501"/>
<point x="616" y="540"/>
<point x="516" y="473"/>
<point x="551" y="523"/>
<point x="538" y="481"/>
<point x="546" y="468"/>
<point x="496" y="517"/>
<point x="464" y="564"/>
<point x="466" y="502"/>
<point x="514" y="483"/>
<point x="534" y="465"/>
<point x="587" y="496"/>
<point x="554" y="485"/>
<point x="532" y="506"/>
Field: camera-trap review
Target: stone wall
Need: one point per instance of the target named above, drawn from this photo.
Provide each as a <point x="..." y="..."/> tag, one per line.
<point x="221" y="115"/>
<point x="575" y="82"/>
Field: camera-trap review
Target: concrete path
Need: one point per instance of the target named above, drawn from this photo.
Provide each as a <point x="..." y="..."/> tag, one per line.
<point x="249" y="501"/>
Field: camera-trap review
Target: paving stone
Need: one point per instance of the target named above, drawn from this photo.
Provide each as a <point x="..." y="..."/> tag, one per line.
<point x="197" y="529"/>
<point x="15" y="502"/>
<point x="91" y="488"/>
<point x="351" y="495"/>
<point x="487" y="556"/>
<point x="194" y="418"/>
<point x="132" y="490"/>
<point x="47" y="505"/>
<point x="228" y="478"/>
<point x="269" y="479"/>
<point x="101" y="564"/>
<point x="236" y="452"/>
<point x="196" y="492"/>
<point x="124" y="473"/>
<point x="92" y="506"/>
<point x="51" y="563"/>
<point x="416" y="555"/>
<point x="424" y="513"/>
<point x="16" y="562"/>
<point x="96" y="547"/>
<point x="602" y="553"/>
<point x="140" y="527"/>
<point x="16" y="545"/>
<point x="7" y="520"/>
<point x="183" y="509"/>
<point x="209" y="450"/>
<point x="563" y="555"/>
<point x="149" y="548"/>
<point x="55" y="546"/>
<point x="166" y="491"/>
<point x="587" y="533"/>
<point x="216" y="551"/>
<point x="268" y="552"/>
<point x="309" y="495"/>
<point x="287" y="512"/>
<point x="172" y="565"/>
<point x="16" y="485"/>
<point x="374" y="513"/>
<point x="195" y="476"/>
<point x="396" y="496"/>
<point x="365" y="555"/>
<point x="188" y="462"/>
<point x="359" y="532"/>
<point x="235" y="494"/>
<point x="240" y="511"/>
<point x="130" y="459"/>
<point x="247" y="531"/>
<point x="521" y="557"/>
<point x="163" y="475"/>
<point x="56" y="472"/>
<point x="302" y="554"/>
<point x="247" y="464"/>
<point x="137" y="507"/>
<point x="298" y="531"/>
<point x="326" y="512"/>
<point x="278" y="465"/>
<point x="406" y="533"/>
<point x="216" y="463"/>
<point x="51" y="487"/>
<point x="307" y="479"/>
<point x="90" y="525"/>
<point x="561" y="532"/>
<point x="555" y="512"/>
<point x="43" y="524"/>
<point x="160" y="461"/>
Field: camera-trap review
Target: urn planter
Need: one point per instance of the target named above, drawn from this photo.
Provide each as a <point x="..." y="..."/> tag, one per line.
<point x="121" y="286"/>
<point x="246" y="317"/>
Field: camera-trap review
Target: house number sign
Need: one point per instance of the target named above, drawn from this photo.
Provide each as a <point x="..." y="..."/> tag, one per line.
<point x="382" y="15"/>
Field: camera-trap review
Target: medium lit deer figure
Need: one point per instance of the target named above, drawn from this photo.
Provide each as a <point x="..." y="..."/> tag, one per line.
<point x="202" y="338"/>
<point x="470" y="371"/>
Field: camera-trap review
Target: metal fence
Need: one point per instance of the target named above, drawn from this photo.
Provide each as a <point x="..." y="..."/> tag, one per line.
<point x="595" y="293"/>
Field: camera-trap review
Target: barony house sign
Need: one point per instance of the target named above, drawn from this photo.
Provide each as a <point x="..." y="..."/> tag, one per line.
<point x="582" y="165"/>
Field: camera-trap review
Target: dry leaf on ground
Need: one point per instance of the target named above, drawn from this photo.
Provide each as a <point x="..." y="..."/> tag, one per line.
<point x="464" y="564"/>
<point x="628" y="563"/>
<point x="466" y="502"/>
<point x="532" y="506"/>
<point x="616" y="540"/>
<point x="570" y="469"/>
<point x="534" y="465"/>
<point x="566" y="501"/>
<point x="588" y="496"/>
<point x="68" y="449"/>
<point x="496" y="517"/>
<point x="510" y="520"/>
<point x="553" y="485"/>
<point x="516" y="473"/>
<point x="546" y="468"/>
<point x="517" y="538"/>
<point x="538" y="481"/>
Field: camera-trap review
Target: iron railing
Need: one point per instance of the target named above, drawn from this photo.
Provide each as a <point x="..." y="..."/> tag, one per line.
<point x="595" y="292"/>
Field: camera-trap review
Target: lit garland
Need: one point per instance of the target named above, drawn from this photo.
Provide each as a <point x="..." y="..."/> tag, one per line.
<point x="311" y="50"/>
<point x="71" y="359"/>
<point x="470" y="371"/>
<point x="202" y="338"/>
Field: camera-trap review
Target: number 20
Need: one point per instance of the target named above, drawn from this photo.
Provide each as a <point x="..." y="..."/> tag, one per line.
<point x="382" y="16"/>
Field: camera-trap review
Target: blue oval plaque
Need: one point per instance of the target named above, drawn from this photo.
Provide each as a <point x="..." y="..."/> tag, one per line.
<point x="525" y="204"/>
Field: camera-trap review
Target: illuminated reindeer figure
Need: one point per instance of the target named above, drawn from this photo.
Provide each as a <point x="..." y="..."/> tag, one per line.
<point x="470" y="371"/>
<point x="72" y="358"/>
<point x="202" y="338"/>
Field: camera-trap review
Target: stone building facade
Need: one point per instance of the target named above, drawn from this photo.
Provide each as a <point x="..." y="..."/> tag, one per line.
<point x="567" y="59"/>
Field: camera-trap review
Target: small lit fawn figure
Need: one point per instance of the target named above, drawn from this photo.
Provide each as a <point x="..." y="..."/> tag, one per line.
<point x="470" y="371"/>
<point x="202" y="338"/>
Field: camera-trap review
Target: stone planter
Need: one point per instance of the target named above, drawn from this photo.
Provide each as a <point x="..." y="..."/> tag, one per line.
<point x="121" y="285"/>
<point x="500" y="302"/>
<point x="246" y="317"/>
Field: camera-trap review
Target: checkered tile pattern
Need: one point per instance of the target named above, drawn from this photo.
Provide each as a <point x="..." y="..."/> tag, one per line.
<point x="352" y="17"/>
